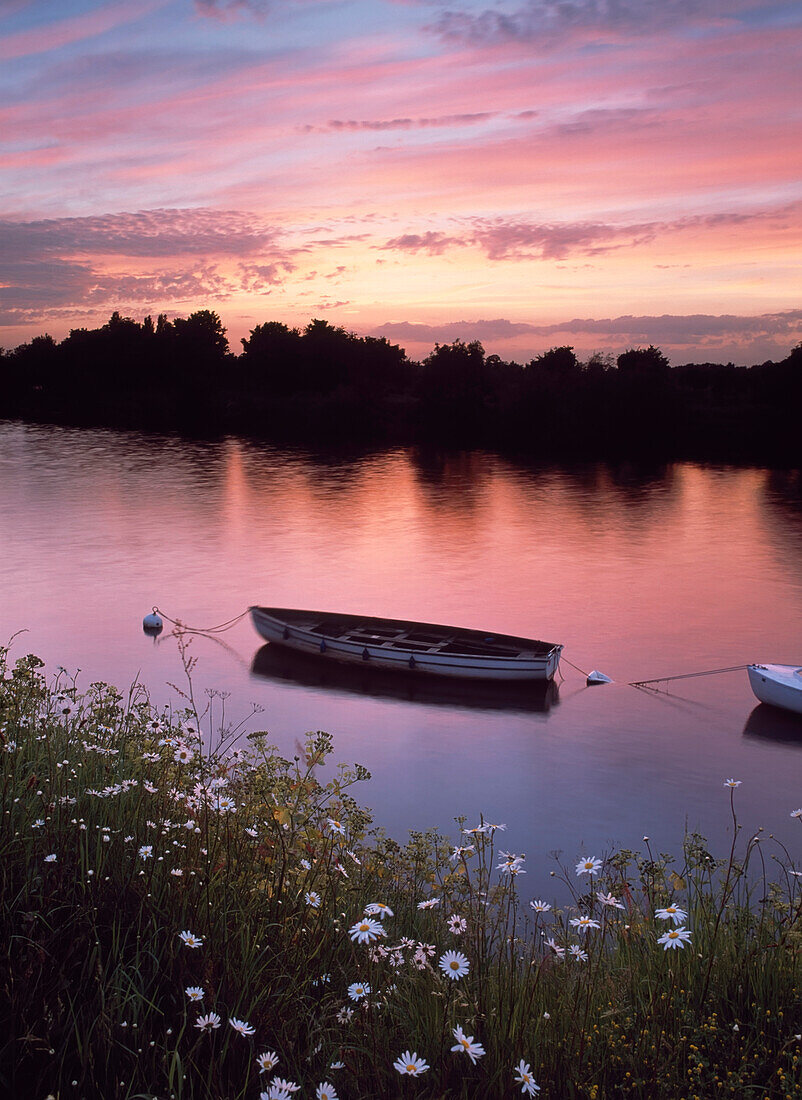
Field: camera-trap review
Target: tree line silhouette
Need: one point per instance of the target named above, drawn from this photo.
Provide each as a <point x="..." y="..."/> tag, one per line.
<point x="324" y="384"/>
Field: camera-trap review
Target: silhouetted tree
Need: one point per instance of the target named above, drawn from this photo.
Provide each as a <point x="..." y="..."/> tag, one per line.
<point x="560" y="360"/>
<point x="643" y="361"/>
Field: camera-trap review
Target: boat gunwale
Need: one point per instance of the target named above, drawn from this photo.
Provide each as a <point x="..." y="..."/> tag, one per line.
<point x="534" y="649"/>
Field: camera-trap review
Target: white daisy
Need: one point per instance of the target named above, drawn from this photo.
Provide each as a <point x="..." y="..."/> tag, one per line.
<point x="242" y="1026"/>
<point x="525" y="1079"/>
<point x="267" y="1061"/>
<point x="608" y="899"/>
<point x="366" y="930"/>
<point x="588" y="865"/>
<point x="672" y="913"/>
<point x="584" y="924"/>
<point x="378" y="909"/>
<point x="190" y="940"/>
<point x="358" y="990"/>
<point x="194" y="992"/>
<point x="454" y="964"/>
<point x="410" y="1064"/>
<point x="326" y="1091"/>
<point x="676" y="937"/>
<point x="208" y="1022"/>
<point x="539" y="906"/>
<point x="466" y="1045"/>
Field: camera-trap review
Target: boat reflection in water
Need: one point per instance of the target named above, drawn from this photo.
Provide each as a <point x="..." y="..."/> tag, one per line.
<point x="769" y="723"/>
<point x="276" y="663"/>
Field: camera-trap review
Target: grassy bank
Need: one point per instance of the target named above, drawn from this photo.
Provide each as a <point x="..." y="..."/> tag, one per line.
<point x="179" y="922"/>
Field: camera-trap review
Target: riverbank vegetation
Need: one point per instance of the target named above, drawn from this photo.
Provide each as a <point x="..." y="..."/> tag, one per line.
<point x="324" y="384"/>
<point x="184" y="922"/>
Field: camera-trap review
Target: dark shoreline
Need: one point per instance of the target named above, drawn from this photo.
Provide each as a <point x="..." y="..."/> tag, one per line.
<point x="326" y="387"/>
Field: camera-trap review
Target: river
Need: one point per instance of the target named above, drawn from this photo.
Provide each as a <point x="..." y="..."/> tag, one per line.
<point x="637" y="572"/>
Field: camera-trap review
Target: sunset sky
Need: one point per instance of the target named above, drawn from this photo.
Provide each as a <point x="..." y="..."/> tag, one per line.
<point x="602" y="173"/>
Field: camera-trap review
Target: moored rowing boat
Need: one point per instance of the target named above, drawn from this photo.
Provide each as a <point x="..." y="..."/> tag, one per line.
<point x="428" y="648"/>
<point x="779" y="685"/>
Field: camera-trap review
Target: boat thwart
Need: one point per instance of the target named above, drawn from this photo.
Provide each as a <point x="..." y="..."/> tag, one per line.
<point x="428" y="648"/>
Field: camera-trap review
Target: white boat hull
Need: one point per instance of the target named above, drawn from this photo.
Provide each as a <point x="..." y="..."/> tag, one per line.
<point x="778" y="685"/>
<point x="383" y="654"/>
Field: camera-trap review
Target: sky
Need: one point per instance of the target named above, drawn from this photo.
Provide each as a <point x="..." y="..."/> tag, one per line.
<point x="528" y="173"/>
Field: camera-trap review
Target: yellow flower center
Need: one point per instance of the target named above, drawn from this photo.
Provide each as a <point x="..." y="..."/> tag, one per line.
<point x="454" y="964"/>
<point x="673" y="935"/>
<point x="411" y="1067"/>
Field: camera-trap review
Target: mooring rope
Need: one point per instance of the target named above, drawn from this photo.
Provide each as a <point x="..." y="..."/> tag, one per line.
<point x="227" y="625"/>
<point x="687" y="676"/>
<point x="576" y="668"/>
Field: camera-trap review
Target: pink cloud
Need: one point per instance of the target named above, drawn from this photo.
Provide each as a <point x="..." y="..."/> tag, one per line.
<point x="74" y="29"/>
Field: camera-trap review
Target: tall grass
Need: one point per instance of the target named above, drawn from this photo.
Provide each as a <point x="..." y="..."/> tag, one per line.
<point x="322" y="944"/>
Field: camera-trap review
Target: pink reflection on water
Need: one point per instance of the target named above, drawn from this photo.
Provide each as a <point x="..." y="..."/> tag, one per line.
<point x="640" y="573"/>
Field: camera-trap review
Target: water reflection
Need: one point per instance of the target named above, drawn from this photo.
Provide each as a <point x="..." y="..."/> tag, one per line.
<point x="273" y="663"/>
<point x="767" y="723"/>
<point x="640" y="572"/>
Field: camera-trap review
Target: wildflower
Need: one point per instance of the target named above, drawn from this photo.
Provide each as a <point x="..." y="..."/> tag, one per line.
<point x="676" y="937"/>
<point x="313" y="899"/>
<point x="146" y="851"/>
<point x="208" y="1022"/>
<point x="337" y="1065"/>
<point x="267" y="1061"/>
<point x="539" y="906"/>
<point x="796" y="813"/>
<point x="358" y="990"/>
<point x="226" y="804"/>
<point x="326" y="1091"/>
<point x="345" y="1015"/>
<point x="492" y="828"/>
<point x="558" y="951"/>
<point x="584" y="923"/>
<point x="467" y="849"/>
<point x="430" y="903"/>
<point x="183" y="754"/>
<point x="588" y="865"/>
<point x="176" y="871"/>
<point x="608" y="899"/>
<point x="38" y="823"/>
<point x="194" y="992"/>
<point x="335" y="826"/>
<point x="510" y="862"/>
<point x="274" y="1093"/>
<point x="287" y="1086"/>
<point x="466" y="1044"/>
<point x="365" y="930"/>
<point x="525" y="1079"/>
<point x="457" y="924"/>
<point x="732" y="783"/>
<point x="378" y="909"/>
<point x="672" y="913"/>
<point x="454" y="965"/>
<point x="576" y="952"/>
<point x="190" y="940"/>
<point x="411" y="1064"/>
<point x="51" y="858"/>
<point x="242" y="1026"/>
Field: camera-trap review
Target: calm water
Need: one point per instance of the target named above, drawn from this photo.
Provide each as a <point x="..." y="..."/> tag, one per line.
<point x="640" y="573"/>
